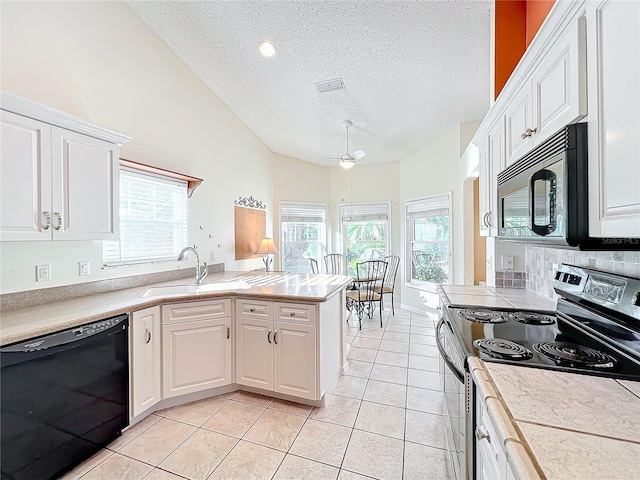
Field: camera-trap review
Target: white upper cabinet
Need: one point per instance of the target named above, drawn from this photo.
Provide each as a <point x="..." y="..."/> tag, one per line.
<point x="25" y="182"/>
<point x="554" y="96"/>
<point x="60" y="175"/>
<point x="614" y="114"/>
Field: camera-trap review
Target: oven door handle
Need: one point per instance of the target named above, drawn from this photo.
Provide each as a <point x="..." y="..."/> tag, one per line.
<point x="441" y="349"/>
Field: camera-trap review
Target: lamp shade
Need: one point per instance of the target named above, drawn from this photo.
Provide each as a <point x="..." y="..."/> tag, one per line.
<point x="267" y="246"/>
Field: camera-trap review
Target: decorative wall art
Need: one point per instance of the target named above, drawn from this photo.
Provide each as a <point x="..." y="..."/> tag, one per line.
<point x="250" y="226"/>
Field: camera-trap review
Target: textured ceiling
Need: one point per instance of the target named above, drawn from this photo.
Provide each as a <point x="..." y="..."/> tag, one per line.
<point x="412" y="70"/>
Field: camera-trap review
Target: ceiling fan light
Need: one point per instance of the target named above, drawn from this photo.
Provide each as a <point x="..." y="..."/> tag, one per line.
<point x="347" y="163"/>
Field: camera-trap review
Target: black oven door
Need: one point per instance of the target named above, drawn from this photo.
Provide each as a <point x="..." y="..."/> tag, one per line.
<point x="454" y="380"/>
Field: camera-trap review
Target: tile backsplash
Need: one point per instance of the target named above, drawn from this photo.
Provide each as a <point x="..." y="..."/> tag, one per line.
<point x="511" y="279"/>
<point x="541" y="264"/>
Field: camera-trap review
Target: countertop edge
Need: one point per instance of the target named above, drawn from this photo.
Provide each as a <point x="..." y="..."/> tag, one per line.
<point x="136" y="302"/>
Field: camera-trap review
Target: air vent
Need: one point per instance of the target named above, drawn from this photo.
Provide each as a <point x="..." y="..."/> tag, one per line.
<point x="330" y="85"/>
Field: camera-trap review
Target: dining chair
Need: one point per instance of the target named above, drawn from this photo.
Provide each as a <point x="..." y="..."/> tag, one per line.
<point x="370" y="277"/>
<point x="334" y="264"/>
<point x="314" y="265"/>
<point x="389" y="281"/>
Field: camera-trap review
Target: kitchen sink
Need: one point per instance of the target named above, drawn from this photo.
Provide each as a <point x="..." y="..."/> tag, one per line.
<point x="193" y="289"/>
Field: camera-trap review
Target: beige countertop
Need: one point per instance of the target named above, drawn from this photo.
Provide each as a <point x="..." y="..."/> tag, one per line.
<point x="575" y="426"/>
<point x="492" y="297"/>
<point x="17" y="325"/>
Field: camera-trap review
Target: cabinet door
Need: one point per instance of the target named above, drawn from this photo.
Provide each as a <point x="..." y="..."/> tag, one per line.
<point x="25" y="183"/>
<point x="484" y="199"/>
<point x="254" y="352"/>
<point x="196" y="356"/>
<point x="519" y="118"/>
<point x="614" y="149"/>
<point x="295" y="364"/>
<point x="86" y="198"/>
<point x="495" y="164"/>
<point x="146" y="360"/>
<point x="559" y="84"/>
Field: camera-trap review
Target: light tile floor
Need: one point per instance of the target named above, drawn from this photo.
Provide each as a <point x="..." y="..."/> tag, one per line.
<point x="384" y="421"/>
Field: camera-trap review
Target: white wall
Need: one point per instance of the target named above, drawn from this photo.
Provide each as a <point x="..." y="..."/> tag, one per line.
<point x="298" y="181"/>
<point x="100" y="62"/>
<point x="436" y="168"/>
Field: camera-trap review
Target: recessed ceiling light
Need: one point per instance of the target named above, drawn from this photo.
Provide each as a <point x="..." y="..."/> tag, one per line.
<point x="267" y="49"/>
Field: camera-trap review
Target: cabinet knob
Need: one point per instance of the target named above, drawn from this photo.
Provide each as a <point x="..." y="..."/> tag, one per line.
<point x="252" y="309"/>
<point x="58" y="221"/>
<point x="148" y="335"/>
<point x="292" y="314"/>
<point x="528" y="133"/>
<point x="46" y="216"/>
<point x="481" y="434"/>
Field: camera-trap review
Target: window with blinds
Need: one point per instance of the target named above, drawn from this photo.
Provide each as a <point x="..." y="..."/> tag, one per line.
<point x="365" y="232"/>
<point x="153" y="219"/>
<point x="303" y="235"/>
<point x="428" y="236"/>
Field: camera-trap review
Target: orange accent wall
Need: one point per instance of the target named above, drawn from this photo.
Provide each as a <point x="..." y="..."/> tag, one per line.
<point x="537" y="11"/>
<point x="510" y="41"/>
<point x="516" y="23"/>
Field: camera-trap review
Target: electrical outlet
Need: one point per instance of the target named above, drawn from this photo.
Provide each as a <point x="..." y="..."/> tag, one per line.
<point x="43" y="273"/>
<point x="84" y="269"/>
<point x="507" y="262"/>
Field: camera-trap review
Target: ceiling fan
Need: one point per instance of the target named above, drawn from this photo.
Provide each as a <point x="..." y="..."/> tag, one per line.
<point x="348" y="160"/>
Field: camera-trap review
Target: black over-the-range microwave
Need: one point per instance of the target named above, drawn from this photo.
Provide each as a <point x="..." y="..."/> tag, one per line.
<point x="544" y="196"/>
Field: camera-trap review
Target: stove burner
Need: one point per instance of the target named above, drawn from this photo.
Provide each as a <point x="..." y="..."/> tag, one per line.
<point x="572" y="355"/>
<point x="532" y="318"/>
<point x="504" y="349"/>
<point x="483" y="316"/>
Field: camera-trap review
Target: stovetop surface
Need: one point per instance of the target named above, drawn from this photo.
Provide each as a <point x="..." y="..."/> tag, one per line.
<point x="623" y="349"/>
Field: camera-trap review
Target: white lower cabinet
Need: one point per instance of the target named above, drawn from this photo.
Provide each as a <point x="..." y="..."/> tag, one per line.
<point x="273" y="354"/>
<point x="196" y="346"/>
<point x="146" y="360"/>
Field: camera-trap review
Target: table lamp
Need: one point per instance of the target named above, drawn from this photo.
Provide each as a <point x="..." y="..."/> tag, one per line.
<point x="267" y="247"/>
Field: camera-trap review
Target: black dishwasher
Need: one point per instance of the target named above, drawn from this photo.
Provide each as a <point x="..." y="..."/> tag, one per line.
<point x="63" y="397"/>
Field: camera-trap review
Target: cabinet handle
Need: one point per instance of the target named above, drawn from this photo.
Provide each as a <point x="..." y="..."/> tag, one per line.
<point x="275" y="338"/>
<point x="489" y="224"/>
<point x="148" y="335"/>
<point x="481" y="434"/>
<point x="47" y="220"/>
<point x="528" y="132"/>
<point x="252" y="309"/>
<point x="292" y="314"/>
<point x="228" y="332"/>
<point x="58" y="221"/>
<point x="269" y="336"/>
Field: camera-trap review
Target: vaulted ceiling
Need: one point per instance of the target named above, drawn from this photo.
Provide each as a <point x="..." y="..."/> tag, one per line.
<point x="412" y="70"/>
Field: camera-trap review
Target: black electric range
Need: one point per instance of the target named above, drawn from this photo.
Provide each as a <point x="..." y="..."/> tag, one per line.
<point x="595" y="329"/>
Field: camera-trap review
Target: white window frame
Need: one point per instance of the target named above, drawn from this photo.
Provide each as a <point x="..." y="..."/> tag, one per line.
<point x="301" y="217"/>
<point x="363" y="211"/>
<point x="179" y="235"/>
<point x="418" y="207"/>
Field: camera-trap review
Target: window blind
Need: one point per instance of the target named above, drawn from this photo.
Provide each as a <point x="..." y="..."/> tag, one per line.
<point x="433" y="206"/>
<point x="153" y="219"/>
<point x="364" y="212"/>
<point x="302" y="212"/>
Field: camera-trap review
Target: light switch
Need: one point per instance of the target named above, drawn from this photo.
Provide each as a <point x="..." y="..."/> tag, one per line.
<point x="84" y="269"/>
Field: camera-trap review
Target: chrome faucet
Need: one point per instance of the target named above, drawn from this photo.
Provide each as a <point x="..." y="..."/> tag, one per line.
<point x="200" y="274"/>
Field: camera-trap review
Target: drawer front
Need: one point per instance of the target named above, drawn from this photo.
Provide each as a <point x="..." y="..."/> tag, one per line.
<point x="248" y="307"/>
<point x="295" y="313"/>
<point x="194" y="311"/>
